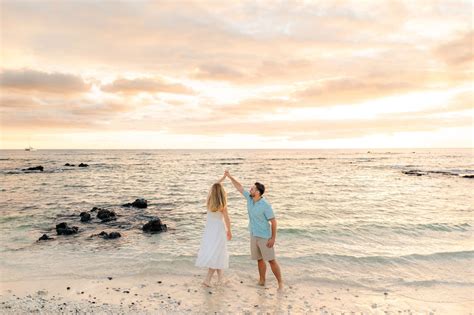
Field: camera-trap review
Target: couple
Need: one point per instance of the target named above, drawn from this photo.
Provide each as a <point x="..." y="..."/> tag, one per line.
<point x="213" y="251"/>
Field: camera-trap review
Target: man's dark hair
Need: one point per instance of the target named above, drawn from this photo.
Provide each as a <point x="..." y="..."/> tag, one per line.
<point x="260" y="187"/>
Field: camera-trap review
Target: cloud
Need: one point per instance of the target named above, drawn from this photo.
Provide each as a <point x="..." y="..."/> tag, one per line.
<point x="353" y="90"/>
<point x="251" y="107"/>
<point x="228" y="63"/>
<point x="39" y="81"/>
<point x="17" y="102"/>
<point x="458" y="51"/>
<point x="149" y="85"/>
<point x="217" y="72"/>
<point x="319" y="129"/>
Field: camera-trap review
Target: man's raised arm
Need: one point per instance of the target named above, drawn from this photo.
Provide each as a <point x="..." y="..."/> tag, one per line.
<point x="236" y="184"/>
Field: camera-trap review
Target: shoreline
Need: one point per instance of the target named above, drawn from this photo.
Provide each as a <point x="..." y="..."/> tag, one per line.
<point x="239" y="294"/>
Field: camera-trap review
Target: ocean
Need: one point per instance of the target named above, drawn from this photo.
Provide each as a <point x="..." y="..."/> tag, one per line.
<point x="345" y="217"/>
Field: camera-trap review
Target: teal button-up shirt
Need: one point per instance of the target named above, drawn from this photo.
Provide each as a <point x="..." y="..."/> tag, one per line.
<point x="259" y="214"/>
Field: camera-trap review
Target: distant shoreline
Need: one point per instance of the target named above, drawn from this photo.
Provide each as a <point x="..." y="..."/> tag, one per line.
<point x="250" y="149"/>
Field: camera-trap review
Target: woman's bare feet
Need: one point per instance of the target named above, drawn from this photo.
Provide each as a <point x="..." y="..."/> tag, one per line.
<point x="280" y="287"/>
<point x="261" y="283"/>
<point x="206" y="284"/>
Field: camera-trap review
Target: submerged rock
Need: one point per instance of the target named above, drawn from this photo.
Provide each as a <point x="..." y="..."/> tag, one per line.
<point x="154" y="226"/>
<point x="111" y="235"/>
<point x="106" y="215"/>
<point x="83" y="165"/>
<point x="34" y="168"/>
<point x="67" y="164"/>
<point x="468" y="176"/>
<point x="414" y="173"/>
<point x="64" y="229"/>
<point x="45" y="237"/>
<point x="138" y="203"/>
<point x="85" y="216"/>
<point x="114" y="235"/>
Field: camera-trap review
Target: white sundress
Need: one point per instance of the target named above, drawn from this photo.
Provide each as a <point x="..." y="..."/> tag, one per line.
<point x="213" y="251"/>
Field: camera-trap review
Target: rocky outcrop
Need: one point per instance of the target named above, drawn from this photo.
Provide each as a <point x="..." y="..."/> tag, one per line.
<point x="414" y="173"/>
<point x="154" y="226"/>
<point x="106" y="215"/>
<point x="45" y="237"/>
<point x="35" y="168"/>
<point x="138" y="203"/>
<point x="64" y="229"/>
<point x="111" y="235"/>
<point x="83" y="165"/>
<point x="85" y="216"/>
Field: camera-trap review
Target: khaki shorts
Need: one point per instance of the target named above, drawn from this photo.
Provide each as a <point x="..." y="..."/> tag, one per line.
<point x="259" y="249"/>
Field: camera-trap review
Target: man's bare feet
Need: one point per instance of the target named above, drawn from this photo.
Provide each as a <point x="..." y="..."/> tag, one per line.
<point x="261" y="283"/>
<point x="206" y="284"/>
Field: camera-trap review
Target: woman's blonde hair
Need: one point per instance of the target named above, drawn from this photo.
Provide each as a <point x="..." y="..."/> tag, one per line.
<point x="217" y="198"/>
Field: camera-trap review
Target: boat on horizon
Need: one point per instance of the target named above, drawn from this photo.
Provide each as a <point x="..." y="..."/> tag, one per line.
<point x="30" y="148"/>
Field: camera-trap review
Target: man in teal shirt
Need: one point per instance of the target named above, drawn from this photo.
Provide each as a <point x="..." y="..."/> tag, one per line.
<point x="262" y="237"/>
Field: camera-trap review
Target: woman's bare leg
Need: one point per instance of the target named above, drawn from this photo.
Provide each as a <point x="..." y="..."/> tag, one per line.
<point x="207" y="281"/>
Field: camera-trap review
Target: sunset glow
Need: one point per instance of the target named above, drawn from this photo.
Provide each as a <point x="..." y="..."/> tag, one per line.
<point x="299" y="74"/>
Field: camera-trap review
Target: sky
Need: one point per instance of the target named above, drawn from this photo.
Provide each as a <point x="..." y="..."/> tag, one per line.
<point x="85" y="74"/>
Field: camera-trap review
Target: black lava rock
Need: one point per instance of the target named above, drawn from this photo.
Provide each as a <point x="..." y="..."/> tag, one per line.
<point x="105" y="235"/>
<point x="414" y="173"/>
<point x="45" y="237"/>
<point x="83" y="165"/>
<point x="113" y="235"/>
<point x="138" y="203"/>
<point x="106" y="215"/>
<point x="85" y="216"/>
<point x="64" y="229"/>
<point x="35" y="168"/>
<point x="154" y="226"/>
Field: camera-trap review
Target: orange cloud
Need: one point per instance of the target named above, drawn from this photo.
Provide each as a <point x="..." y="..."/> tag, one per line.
<point x="459" y="51"/>
<point x="39" y="81"/>
<point x="131" y="86"/>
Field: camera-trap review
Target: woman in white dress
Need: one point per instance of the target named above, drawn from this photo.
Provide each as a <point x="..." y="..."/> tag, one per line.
<point x="213" y="251"/>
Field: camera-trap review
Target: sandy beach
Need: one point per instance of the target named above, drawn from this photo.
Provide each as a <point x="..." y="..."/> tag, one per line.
<point x="173" y="294"/>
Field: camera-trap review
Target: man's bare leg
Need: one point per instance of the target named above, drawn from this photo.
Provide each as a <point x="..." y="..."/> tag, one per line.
<point x="276" y="271"/>
<point x="262" y="270"/>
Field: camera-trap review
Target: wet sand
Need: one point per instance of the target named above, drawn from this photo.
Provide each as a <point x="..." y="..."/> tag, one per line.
<point x="239" y="294"/>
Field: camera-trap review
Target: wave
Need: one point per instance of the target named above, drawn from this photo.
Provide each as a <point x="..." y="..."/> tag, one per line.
<point x="404" y="259"/>
<point x="469" y="254"/>
<point x="223" y="159"/>
<point x="336" y="262"/>
<point x="419" y="227"/>
<point x="430" y="283"/>
<point x="373" y="228"/>
<point x="298" y="159"/>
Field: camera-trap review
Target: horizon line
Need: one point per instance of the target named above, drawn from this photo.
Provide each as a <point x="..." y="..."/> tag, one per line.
<point x="163" y="149"/>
